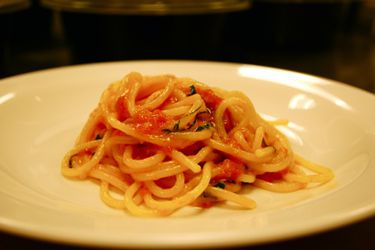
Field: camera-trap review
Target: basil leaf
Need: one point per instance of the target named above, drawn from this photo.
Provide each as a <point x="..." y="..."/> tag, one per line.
<point x="192" y="90"/>
<point x="203" y="127"/>
<point x="166" y="131"/>
<point x="176" y="127"/>
<point x="220" y="185"/>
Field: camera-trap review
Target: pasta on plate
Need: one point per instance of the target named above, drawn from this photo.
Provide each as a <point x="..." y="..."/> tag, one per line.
<point x="163" y="142"/>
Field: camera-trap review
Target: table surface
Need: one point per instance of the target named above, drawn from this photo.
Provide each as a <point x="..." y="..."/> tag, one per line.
<point x="360" y="235"/>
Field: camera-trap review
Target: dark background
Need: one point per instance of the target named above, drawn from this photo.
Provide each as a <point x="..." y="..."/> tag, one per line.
<point x="332" y="39"/>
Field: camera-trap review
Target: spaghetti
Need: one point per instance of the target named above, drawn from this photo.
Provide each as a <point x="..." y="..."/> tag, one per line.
<point x="162" y="143"/>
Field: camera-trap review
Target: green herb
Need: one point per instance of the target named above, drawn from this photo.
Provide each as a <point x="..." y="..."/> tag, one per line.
<point x="166" y="130"/>
<point x="220" y="185"/>
<point x="207" y="112"/>
<point x="192" y="90"/>
<point x="192" y="124"/>
<point x="176" y="127"/>
<point x="70" y="163"/>
<point x="203" y="127"/>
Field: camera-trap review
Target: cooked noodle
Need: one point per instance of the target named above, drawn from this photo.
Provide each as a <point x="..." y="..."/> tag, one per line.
<point x="163" y="143"/>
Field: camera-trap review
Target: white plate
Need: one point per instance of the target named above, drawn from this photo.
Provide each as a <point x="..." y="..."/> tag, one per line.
<point x="42" y="113"/>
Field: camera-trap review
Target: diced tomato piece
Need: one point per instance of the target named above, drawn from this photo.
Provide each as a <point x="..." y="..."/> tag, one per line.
<point x="228" y="124"/>
<point x="204" y="118"/>
<point x="100" y="126"/>
<point x="122" y="111"/>
<point x="167" y="149"/>
<point x="143" y="191"/>
<point x="88" y="151"/>
<point x="189" y="175"/>
<point x="118" y="133"/>
<point x="141" y="151"/>
<point x="273" y="176"/>
<point x="232" y="142"/>
<point x="99" y="131"/>
<point x="231" y="170"/>
<point x="166" y="182"/>
<point x="169" y="100"/>
<point x="193" y="149"/>
<point x="149" y="122"/>
<point x="206" y="204"/>
<point x="210" y="98"/>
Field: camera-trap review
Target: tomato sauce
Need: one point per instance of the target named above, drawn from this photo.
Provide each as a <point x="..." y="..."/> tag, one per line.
<point x="99" y="131"/>
<point x="143" y="191"/>
<point x="204" y="202"/>
<point x="141" y="151"/>
<point x="166" y="182"/>
<point x="230" y="170"/>
<point x="193" y="149"/>
<point x="212" y="101"/>
<point x="122" y="111"/>
<point x="273" y="176"/>
<point x="151" y="122"/>
<point x="228" y="124"/>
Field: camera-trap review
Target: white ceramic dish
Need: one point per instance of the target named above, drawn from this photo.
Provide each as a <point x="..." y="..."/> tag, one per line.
<point x="42" y="113"/>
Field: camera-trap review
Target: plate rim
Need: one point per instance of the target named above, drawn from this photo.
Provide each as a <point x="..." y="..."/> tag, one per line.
<point x="327" y="80"/>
